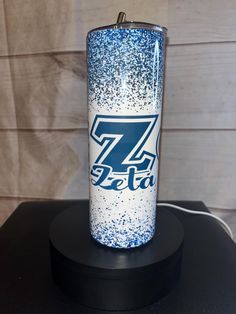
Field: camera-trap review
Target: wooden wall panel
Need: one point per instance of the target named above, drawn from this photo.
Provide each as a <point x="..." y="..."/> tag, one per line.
<point x="200" y="87"/>
<point x="49" y="163"/>
<point x="49" y="91"/>
<point x="7" y="103"/>
<point x="194" y="165"/>
<point x="199" y="165"/>
<point x="61" y="25"/>
<point x="54" y="164"/>
<point x="7" y="207"/>
<point x="3" y="35"/>
<point x="45" y="26"/>
<point x="41" y="26"/>
<point x="193" y="21"/>
<point x="43" y="108"/>
<point x="44" y="164"/>
<point x="9" y="165"/>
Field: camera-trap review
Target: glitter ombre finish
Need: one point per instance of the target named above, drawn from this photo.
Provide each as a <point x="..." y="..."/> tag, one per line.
<point x="125" y="87"/>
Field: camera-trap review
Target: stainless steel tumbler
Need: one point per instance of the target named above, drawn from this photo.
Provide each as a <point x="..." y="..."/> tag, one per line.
<point x="125" y="86"/>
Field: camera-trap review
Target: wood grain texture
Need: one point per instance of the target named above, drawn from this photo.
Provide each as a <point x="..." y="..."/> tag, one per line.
<point x="194" y="165"/>
<point x="44" y="164"/>
<point x="61" y="25"/>
<point x="9" y="163"/>
<point x="43" y="106"/>
<point x="7" y="103"/>
<point x="53" y="164"/>
<point x="52" y="25"/>
<point x="200" y="21"/>
<point x="199" y="165"/>
<point x="3" y="33"/>
<point x="200" y="88"/>
<point x="7" y="207"/>
<point x="39" y="26"/>
<point x="50" y="90"/>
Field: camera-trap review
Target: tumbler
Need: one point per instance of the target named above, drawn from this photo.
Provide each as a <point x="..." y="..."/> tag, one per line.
<point x="125" y="86"/>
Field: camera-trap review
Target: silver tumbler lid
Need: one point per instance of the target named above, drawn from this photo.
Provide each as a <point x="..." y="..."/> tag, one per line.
<point x="123" y="24"/>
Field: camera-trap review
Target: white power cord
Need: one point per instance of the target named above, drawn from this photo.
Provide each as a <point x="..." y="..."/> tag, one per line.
<point x="195" y="212"/>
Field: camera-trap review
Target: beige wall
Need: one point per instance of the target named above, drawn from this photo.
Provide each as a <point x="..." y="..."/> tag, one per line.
<point x="43" y="127"/>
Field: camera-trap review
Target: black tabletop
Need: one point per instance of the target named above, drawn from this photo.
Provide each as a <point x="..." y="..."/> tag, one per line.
<point x="207" y="285"/>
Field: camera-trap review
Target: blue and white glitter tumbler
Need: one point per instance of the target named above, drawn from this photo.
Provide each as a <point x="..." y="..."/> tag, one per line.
<point x="125" y="86"/>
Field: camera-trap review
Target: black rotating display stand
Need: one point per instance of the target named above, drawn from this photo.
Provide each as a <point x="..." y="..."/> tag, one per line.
<point x="114" y="279"/>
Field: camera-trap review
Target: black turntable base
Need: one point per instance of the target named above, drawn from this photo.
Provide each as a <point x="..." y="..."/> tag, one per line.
<point x="114" y="279"/>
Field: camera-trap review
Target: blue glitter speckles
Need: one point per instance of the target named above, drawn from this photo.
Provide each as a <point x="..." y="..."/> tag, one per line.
<point x="125" y="68"/>
<point x="125" y="86"/>
<point x="127" y="229"/>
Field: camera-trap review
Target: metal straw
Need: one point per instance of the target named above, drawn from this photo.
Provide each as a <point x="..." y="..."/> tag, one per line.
<point x="121" y="17"/>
